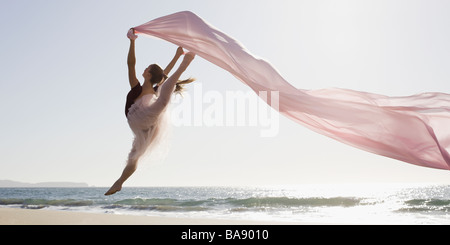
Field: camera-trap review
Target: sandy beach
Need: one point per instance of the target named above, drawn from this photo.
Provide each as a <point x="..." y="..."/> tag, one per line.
<point x="17" y="216"/>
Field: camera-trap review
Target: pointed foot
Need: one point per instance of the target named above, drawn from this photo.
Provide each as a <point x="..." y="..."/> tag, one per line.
<point x="115" y="188"/>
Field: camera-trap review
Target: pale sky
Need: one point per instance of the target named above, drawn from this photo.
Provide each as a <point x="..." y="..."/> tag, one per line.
<point x="63" y="83"/>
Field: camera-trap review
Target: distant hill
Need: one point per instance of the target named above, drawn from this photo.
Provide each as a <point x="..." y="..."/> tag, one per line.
<point x="11" y="183"/>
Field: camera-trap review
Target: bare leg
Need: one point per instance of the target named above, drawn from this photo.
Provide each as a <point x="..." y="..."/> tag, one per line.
<point x="168" y="86"/>
<point x="127" y="172"/>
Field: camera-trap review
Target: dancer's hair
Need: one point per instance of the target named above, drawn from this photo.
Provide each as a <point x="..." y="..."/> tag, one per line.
<point x="158" y="75"/>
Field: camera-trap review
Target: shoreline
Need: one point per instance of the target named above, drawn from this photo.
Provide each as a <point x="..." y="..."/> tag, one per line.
<point x="19" y="216"/>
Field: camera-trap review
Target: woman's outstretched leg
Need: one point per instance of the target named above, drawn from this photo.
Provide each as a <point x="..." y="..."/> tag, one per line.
<point x="168" y="86"/>
<point x="127" y="172"/>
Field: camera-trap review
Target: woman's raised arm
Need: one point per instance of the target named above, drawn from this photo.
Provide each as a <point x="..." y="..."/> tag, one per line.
<point x="131" y="60"/>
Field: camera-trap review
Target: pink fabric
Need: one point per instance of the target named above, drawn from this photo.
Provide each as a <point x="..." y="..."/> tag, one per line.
<point x="413" y="129"/>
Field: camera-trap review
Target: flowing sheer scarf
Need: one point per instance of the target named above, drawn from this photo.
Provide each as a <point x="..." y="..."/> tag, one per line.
<point x="413" y="129"/>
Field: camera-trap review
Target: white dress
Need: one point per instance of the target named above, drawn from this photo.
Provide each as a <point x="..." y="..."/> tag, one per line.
<point x="147" y="118"/>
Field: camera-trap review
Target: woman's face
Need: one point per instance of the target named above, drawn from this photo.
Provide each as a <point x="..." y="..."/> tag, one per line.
<point x="147" y="74"/>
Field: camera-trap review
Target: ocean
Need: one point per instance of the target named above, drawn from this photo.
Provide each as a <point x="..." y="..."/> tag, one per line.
<point x="329" y="204"/>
